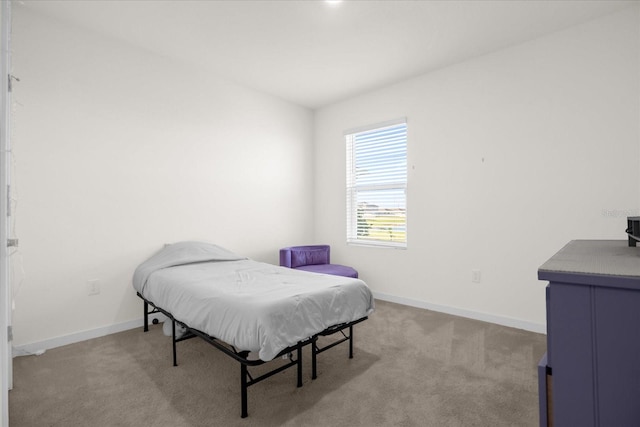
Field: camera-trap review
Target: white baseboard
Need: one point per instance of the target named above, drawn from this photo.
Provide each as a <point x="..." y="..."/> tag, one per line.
<point x="40" y="347"/>
<point x="485" y="317"/>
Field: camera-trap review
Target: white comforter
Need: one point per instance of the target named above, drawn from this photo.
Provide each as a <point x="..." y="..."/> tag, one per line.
<point x="251" y="305"/>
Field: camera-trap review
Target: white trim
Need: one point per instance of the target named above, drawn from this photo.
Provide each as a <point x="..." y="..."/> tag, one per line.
<point x="377" y="244"/>
<point x="476" y="315"/>
<point x="6" y="367"/>
<point x="376" y="126"/>
<point x="42" y="346"/>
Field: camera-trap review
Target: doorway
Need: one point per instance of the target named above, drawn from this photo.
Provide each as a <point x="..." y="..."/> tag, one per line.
<point x="6" y="364"/>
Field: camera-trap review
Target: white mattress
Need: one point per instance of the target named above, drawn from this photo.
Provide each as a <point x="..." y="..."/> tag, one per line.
<point x="251" y="305"/>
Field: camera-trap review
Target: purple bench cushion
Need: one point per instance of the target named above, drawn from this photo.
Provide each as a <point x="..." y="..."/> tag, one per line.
<point x="335" y="269"/>
<point x="302" y="257"/>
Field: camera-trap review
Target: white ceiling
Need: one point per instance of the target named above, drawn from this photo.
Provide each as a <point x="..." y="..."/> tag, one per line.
<point x="314" y="53"/>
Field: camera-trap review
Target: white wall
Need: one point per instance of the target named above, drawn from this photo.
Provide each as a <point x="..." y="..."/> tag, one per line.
<point x="511" y="155"/>
<point x="120" y="151"/>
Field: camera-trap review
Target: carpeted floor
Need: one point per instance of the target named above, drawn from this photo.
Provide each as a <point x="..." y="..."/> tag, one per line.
<point x="411" y="367"/>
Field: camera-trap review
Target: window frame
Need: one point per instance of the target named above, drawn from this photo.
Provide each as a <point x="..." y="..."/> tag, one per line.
<point x="353" y="188"/>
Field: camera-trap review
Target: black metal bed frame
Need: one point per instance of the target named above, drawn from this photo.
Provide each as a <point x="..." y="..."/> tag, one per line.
<point x="246" y="380"/>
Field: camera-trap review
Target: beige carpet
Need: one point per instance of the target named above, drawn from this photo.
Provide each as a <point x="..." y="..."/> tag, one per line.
<point x="412" y="367"/>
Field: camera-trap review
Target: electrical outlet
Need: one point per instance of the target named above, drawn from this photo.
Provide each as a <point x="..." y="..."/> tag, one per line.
<point x="93" y="287"/>
<point x="476" y="276"/>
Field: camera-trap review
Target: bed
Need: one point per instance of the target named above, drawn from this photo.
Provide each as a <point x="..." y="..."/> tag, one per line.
<point x="252" y="311"/>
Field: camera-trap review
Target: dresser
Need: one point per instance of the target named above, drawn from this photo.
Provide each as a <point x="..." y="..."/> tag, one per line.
<point x="590" y="375"/>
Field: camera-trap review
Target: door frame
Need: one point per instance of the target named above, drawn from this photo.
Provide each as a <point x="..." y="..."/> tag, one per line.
<point x="6" y="363"/>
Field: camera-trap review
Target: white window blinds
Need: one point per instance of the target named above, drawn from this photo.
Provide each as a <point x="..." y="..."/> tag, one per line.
<point x="377" y="184"/>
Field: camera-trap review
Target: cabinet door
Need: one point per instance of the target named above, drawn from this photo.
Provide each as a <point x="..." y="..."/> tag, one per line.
<point x="570" y="336"/>
<point x="617" y="313"/>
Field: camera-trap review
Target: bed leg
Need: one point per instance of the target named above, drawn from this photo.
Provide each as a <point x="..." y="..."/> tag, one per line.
<point x="314" y="357"/>
<point x="351" y="342"/>
<point x="299" y="364"/>
<point x="243" y="390"/>
<point x="173" y="334"/>
<point x="146" y="316"/>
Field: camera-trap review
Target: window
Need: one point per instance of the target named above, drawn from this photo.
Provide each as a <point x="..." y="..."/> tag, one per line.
<point x="377" y="184"/>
